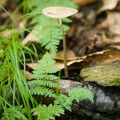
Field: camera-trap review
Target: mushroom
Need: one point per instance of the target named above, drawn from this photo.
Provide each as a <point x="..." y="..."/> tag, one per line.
<point x="58" y="12"/>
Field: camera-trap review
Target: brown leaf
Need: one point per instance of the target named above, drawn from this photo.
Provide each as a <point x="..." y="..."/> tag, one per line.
<point x="31" y="37"/>
<point x="70" y="55"/>
<point x="103" y="57"/>
<point x="115" y="47"/>
<point x="115" y="40"/>
<point x="84" y="2"/>
<point x="59" y="64"/>
<point x="112" y="22"/>
<point x="33" y="66"/>
<point x="27" y="74"/>
<point x="108" y="5"/>
<point x="9" y="32"/>
<point x="3" y="2"/>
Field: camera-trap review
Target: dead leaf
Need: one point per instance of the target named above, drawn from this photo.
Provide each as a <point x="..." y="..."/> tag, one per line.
<point x="27" y="74"/>
<point x="103" y="57"/>
<point x="115" y="40"/>
<point x="108" y="5"/>
<point x="84" y="2"/>
<point x="112" y="22"/>
<point x="117" y="47"/>
<point x="70" y="55"/>
<point x="59" y="64"/>
<point x="33" y="66"/>
<point x="9" y="32"/>
<point x="3" y="2"/>
<point x="31" y="37"/>
<point x="90" y="41"/>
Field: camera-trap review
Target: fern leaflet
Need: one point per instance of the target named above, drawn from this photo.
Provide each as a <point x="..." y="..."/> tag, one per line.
<point x="13" y="113"/>
<point x="45" y="83"/>
<point x="47" y="112"/>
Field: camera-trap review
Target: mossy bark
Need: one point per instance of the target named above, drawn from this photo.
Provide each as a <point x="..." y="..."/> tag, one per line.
<point x="108" y="74"/>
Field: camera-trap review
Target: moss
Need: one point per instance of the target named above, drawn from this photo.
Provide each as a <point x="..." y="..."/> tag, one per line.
<point x="108" y="74"/>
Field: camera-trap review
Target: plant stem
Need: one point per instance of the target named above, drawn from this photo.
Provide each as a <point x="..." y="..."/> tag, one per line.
<point x="64" y="49"/>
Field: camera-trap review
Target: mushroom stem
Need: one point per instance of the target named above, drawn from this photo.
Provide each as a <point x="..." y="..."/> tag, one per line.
<point x="64" y="49"/>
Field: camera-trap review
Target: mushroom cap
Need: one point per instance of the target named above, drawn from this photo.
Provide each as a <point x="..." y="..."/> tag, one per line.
<point x="59" y="12"/>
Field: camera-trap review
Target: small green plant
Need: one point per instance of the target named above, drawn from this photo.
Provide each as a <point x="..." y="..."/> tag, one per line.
<point x="58" y="13"/>
<point x="77" y="94"/>
<point x="17" y="95"/>
<point x="45" y="84"/>
<point x="14" y="112"/>
<point x="44" y="112"/>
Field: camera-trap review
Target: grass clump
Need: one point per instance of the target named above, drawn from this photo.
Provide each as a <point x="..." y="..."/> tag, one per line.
<point x="22" y="99"/>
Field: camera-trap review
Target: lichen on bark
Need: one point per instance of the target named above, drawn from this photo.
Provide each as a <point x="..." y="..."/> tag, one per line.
<point x="108" y="74"/>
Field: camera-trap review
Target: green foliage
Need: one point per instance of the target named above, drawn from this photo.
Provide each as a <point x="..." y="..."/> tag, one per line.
<point x="51" y="34"/>
<point x="13" y="84"/>
<point x="45" y="81"/>
<point x="76" y="94"/>
<point x="42" y="91"/>
<point x="46" y="66"/>
<point x="44" y="87"/>
<point x="44" y="112"/>
<point x="14" y="88"/>
<point x="13" y="113"/>
<point x="64" y="101"/>
<point x="47" y="30"/>
<point x="80" y="94"/>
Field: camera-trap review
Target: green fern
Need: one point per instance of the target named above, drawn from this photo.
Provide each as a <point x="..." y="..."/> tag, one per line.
<point x="49" y="35"/>
<point x="43" y="91"/>
<point x="13" y="113"/>
<point x="45" y="83"/>
<point x="46" y="76"/>
<point x="44" y="87"/>
<point x="47" y="30"/>
<point x="44" y="112"/>
<point x="64" y="101"/>
<point x="80" y="94"/>
<point x="46" y="66"/>
<point x="77" y="94"/>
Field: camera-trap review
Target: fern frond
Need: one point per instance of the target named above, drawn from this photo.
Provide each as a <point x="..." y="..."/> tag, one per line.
<point x="13" y="113"/>
<point x="39" y="5"/>
<point x="48" y="32"/>
<point x="47" y="112"/>
<point x="43" y="91"/>
<point x="45" y="83"/>
<point x="46" y="66"/>
<point x="80" y="94"/>
<point x="38" y="76"/>
<point x="64" y="101"/>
